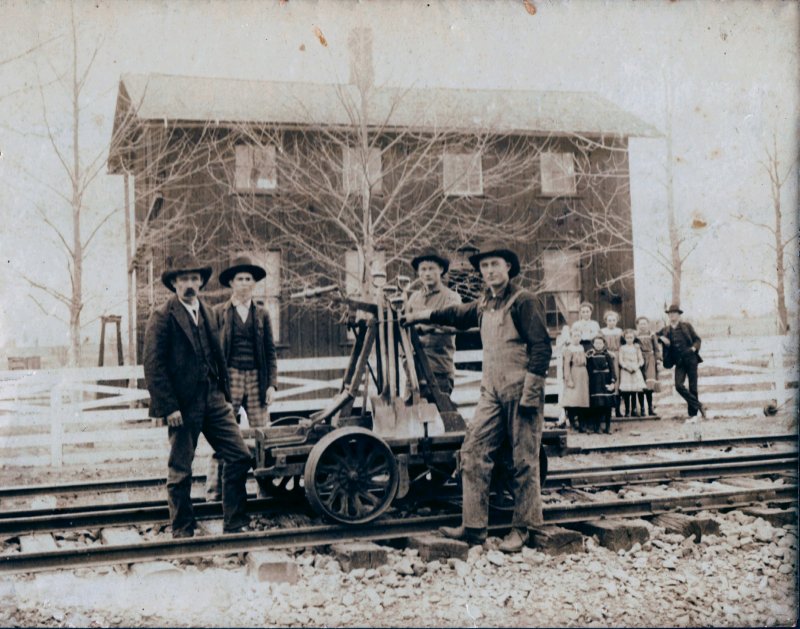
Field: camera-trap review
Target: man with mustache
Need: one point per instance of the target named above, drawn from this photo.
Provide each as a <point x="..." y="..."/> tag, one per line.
<point x="516" y="357"/>
<point x="187" y="378"/>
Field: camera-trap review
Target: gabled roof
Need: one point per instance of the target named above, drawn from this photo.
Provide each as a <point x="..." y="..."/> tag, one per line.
<point x="164" y="98"/>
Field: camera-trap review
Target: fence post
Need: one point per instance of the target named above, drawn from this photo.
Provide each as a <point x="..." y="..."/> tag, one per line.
<point x="779" y="372"/>
<point x="56" y="426"/>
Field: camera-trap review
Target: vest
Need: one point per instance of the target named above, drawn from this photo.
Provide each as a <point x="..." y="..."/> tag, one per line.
<point x="202" y="341"/>
<point x="243" y="342"/>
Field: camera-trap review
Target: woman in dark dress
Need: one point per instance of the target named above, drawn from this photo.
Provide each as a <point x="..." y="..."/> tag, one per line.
<point x="602" y="380"/>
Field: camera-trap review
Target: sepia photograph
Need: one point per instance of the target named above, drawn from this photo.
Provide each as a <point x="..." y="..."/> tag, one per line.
<point x="399" y="313"/>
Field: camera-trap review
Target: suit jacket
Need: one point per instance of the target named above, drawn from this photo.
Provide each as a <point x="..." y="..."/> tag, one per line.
<point x="266" y="355"/>
<point x="173" y="365"/>
<point x="670" y="356"/>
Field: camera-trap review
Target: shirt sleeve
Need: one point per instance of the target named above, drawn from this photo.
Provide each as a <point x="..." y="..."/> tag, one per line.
<point x="527" y="315"/>
<point x="461" y="316"/>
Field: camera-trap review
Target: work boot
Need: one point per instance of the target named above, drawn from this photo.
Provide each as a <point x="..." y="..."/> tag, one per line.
<point x="514" y="541"/>
<point x="473" y="537"/>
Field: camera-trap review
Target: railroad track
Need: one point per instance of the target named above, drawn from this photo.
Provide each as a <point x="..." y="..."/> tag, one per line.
<point x="322" y="535"/>
<point x="77" y="488"/>
<point x="598" y="477"/>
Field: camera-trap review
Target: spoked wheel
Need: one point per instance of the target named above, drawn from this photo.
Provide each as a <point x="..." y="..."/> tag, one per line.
<point x="289" y="487"/>
<point x="351" y="476"/>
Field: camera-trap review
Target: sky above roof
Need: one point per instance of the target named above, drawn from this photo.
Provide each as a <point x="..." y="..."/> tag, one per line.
<point x="729" y="70"/>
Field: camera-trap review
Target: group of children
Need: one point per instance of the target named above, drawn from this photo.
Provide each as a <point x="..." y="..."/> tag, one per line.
<point x="604" y="367"/>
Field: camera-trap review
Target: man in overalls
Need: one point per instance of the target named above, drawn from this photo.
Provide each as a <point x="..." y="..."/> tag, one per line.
<point x="516" y="356"/>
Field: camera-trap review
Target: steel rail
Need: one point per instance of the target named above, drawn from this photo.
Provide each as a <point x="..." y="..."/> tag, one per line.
<point x="25" y="521"/>
<point x="380" y="530"/>
<point x="694" y="444"/>
<point x="83" y="487"/>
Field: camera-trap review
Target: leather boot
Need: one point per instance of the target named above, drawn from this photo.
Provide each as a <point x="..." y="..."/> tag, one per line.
<point x="514" y="541"/>
<point x="473" y="537"/>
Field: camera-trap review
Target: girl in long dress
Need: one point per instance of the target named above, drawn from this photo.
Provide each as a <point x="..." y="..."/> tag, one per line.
<point x="631" y="361"/>
<point x="575" y="397"/>
<point x="651" y="352"/>
<point x="602" y="380"/>
<point x="613" y="336"/>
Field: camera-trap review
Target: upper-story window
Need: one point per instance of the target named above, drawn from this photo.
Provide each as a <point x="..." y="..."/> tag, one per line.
<point x="354" y="169"/>
<point x="256" y="168"/>
<point x="462" y="174"/>
<point x="558" y="174"/>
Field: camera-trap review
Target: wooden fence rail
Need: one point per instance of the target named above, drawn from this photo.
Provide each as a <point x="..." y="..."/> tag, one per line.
<point x="86" y="416"/>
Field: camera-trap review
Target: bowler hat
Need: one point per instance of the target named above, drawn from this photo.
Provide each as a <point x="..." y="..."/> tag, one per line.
<point x="242" y="264"/>
<point x="186" y="264"/>
<point x="674" y="308"/>
<point x="496" y="248"/>
<point x="430" y="253"/>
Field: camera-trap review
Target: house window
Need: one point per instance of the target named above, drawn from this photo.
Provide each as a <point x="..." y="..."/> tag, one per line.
<point x="462" y="174"/>
<point x="256" y="168"/>
<point x="561" y="287"/>
<point x="267" y="292"/>
<point x="354" y="170"/>
<point x="558" y="174"/>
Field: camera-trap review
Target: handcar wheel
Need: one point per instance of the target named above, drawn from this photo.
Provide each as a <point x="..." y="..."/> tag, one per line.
<point x="351" y="476"/>
<point x="281" y="486"/>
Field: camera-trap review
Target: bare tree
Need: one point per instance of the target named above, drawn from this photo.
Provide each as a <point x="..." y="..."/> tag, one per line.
<point x="80" y="174"/>
<point x="778" y="176"/>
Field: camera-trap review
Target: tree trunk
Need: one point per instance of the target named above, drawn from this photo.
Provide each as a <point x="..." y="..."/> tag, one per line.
<point x="780" y="268"/>
<point x="76" y="304"/>
<point x="674" y="233"/>
<point x="129" y="249"/>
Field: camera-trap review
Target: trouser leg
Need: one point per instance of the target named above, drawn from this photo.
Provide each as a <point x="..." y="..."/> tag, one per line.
<point x="223" y="434"/>
<point x="682" y="370"/>
<point x="483" y="438"/>
<point x="525" y="430"/>
<point x="183" y="443"/>
<point x="216" y="466"/>
<point x="649" y="396"/>
<point x="257" y="414"/>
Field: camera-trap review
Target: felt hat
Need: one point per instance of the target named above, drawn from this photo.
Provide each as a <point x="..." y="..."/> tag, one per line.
<point x="187" y="264"/>
<point x="242" y="264"/>
<point x="496" y="248"/>
<point x="674" y="308"/>
<point x="431" y="254"/>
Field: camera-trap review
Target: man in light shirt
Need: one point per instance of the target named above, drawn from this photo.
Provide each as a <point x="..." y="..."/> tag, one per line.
<point x="249" y="350"/>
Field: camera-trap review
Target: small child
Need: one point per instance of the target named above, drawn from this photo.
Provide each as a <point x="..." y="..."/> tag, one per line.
<point x="613" y="336"/>
<point x="602" y="382"/>
<point x="588" y="327"/>
<point x="630" y="366"/>
<point x="575" y="397"/>
<point x="651" y="352"/>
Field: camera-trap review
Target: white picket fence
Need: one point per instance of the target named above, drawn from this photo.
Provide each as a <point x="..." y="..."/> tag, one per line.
<point x="54" y="418"/>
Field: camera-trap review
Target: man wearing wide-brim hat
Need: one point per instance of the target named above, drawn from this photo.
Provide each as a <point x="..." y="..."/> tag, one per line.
<point x="249" y="351"/>
<point x="187" y="379"/>
<point x="682" y="350"/>
<point x="438" y="342"/>
<point x="516" y="356"/>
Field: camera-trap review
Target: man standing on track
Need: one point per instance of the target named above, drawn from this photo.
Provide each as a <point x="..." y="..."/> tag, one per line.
<point x="439" y="343"/>
<point x="188" y="383"/>
<point x="249" y="351"/>
<point x="682" y="350"/>
<point x="516" y="356"/>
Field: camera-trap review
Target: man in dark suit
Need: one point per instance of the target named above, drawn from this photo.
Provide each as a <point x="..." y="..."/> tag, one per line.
<point x="188" y="383"/>
<point x="682" y="350"/>
<point x="249" y="350"/>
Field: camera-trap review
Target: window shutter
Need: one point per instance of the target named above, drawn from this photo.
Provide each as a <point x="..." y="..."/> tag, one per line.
<point x="562" y="270"/>
<point x="353" y="171"/>
<point x="256" y="168"/>
<point x="244" y="166"/>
